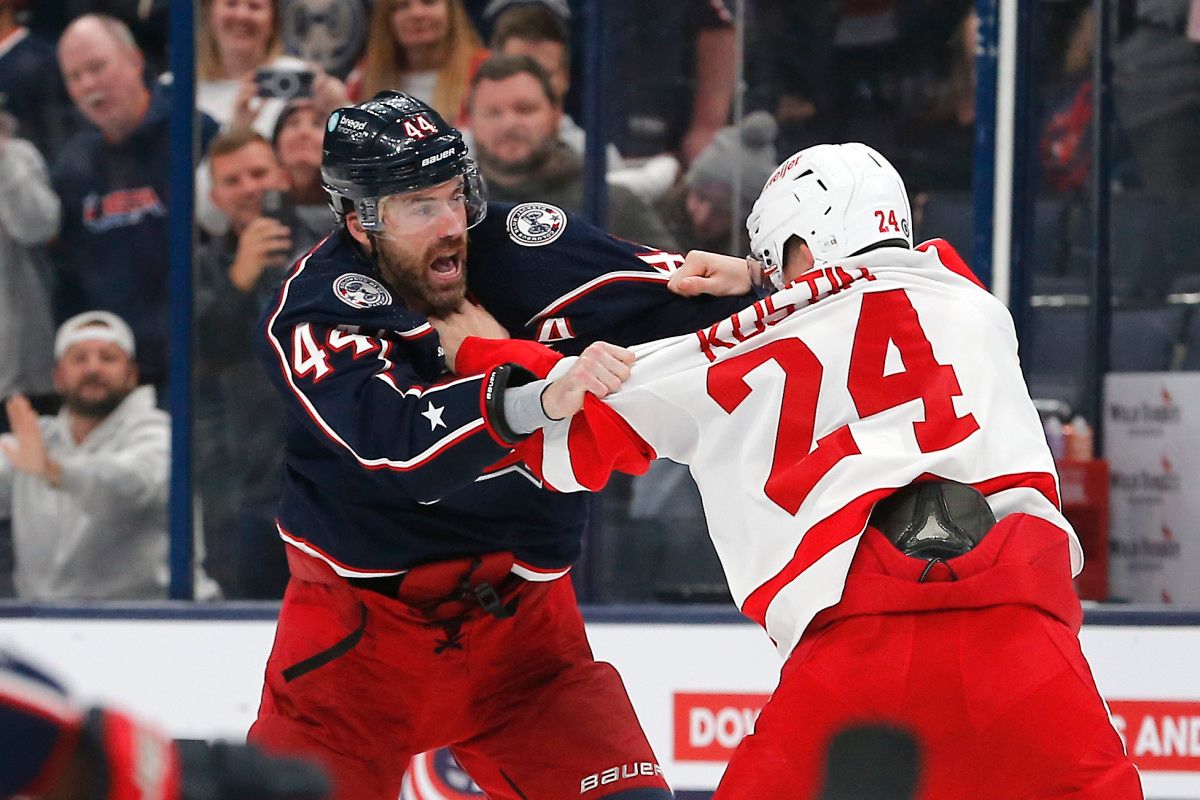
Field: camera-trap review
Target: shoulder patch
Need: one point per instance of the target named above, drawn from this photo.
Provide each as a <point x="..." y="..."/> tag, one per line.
<point x="359" y="291"/>
<point x="535" y="224"/>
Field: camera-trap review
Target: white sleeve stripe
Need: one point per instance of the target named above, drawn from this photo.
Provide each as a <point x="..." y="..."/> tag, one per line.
<point x="595" y="283"/>
<point x="37" y="698"/>
<point x="423" y="329"/>
<point x="336" y="566"/>
<point x="451" y="438"/>
<point x="557" y="469"/>
<point x="412" y="391"/>
<point x="522" y="570"/>
<point x="537" y="574"/>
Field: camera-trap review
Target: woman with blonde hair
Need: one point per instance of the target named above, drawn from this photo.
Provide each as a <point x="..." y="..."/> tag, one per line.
<point x="237" y="38"/>
<point x="427" y="48"/>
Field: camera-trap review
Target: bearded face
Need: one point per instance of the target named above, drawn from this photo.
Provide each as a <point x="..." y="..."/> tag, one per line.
<point x="422" y="247"/>
<point x="94" y="377"/>
<point x="431" y="277"/>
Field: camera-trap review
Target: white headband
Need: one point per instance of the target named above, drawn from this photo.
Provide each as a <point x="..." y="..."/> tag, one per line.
<point x="94" y="326"/>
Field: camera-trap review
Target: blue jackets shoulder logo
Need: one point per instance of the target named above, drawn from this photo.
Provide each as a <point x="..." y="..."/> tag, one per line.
<point x="535" y="224"/>
<point x="359" y="291"/>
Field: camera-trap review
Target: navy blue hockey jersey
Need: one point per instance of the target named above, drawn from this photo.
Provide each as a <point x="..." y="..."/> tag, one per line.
<point x="37" y="720"/>
<point x="389" y="458"/>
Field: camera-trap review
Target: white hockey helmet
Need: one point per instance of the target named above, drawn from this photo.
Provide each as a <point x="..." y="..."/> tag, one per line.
<point x="838" y="198"/>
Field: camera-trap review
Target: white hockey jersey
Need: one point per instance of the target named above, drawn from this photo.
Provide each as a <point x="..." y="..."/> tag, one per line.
<point x="800" y="412"/>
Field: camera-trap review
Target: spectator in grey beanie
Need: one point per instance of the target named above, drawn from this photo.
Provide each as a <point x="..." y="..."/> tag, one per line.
<point x="703" y="210"/>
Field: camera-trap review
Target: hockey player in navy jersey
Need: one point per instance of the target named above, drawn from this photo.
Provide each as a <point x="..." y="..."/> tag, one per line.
<point x="428" y="604"/>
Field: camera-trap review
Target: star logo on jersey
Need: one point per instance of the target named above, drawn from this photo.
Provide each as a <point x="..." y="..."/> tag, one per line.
<point x="535" y="224"/>
<point x="434" y="415"/>
<point x="359" y="291"/>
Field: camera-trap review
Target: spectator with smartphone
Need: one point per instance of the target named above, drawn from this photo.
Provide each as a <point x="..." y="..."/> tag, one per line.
<point x="244" y="80"/>
<point x="238" y="447"/>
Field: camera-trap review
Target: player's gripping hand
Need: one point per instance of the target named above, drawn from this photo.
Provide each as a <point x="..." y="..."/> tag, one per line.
<point x="710" y="273"/>
<point x="599" y="370"/>
<point x="466" y="320"/>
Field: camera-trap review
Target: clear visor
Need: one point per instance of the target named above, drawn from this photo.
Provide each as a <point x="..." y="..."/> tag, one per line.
<point x="457" y="202"/>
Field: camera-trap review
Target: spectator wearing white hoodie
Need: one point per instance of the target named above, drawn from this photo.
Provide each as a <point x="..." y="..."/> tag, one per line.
<point x="87" y="489"/>
<point x="29" y="217"/>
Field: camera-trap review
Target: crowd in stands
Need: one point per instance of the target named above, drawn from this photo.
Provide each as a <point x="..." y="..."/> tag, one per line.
<point x="84" y="149"/>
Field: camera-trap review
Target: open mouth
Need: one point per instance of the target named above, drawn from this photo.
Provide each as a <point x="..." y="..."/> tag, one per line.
<point x="447" y="269"/>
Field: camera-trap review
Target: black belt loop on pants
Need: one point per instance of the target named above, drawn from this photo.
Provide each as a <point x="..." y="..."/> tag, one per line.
<point x="461" y="596"/>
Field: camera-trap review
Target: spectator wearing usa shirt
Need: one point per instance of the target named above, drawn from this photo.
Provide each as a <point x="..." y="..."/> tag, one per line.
<point x="112" y="180"/>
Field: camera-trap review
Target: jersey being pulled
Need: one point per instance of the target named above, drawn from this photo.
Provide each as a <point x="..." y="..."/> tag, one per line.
<point x="390" y="462"/>
<point x="800" y="412"/>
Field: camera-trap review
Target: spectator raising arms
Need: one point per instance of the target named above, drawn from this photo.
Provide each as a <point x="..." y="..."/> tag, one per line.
<point x="29" y="217"/>
<point x="87" y="489"/>
<point x="427" y="48"/>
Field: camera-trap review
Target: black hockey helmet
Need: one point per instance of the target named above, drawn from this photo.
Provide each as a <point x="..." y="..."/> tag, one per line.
<point x="393" y="143"/>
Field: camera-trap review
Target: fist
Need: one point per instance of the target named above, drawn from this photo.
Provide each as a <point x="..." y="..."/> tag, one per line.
<point x="599" y="370"/>
<point x="466" y="320"/>
<point x="710" y="273"/>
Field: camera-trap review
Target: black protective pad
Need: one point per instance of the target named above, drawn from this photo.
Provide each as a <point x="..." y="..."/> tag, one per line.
<point x="934" y="519"/>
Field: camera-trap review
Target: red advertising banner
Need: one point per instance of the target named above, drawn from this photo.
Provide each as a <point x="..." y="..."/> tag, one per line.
<point x="1160" y="735"/>
<point x="709" y="726"/>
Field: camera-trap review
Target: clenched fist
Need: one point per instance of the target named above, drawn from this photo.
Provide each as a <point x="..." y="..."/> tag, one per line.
<point x="599" y="370"/>
<point x="466" y="320"/>
<point x="710" y="273"/>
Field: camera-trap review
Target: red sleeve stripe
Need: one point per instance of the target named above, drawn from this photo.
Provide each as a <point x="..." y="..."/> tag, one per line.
<point x="346" y="571"/>
<point x="851" y="520"/>
<point x="951" y="260"/>
<point x="37" y="699"/>
<point x="594" y="284"/>
<point x="400" y="465"/>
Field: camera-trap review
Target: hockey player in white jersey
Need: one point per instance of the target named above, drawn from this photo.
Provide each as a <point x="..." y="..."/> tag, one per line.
<point x="878" y="488"/>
